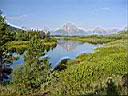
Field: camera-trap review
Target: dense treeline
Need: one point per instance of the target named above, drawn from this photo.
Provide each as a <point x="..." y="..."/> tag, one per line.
<point x="26" y="35"/>
<point x="22" y="38"/>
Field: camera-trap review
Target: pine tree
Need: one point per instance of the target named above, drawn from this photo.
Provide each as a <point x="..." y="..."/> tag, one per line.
<point x="5" y="36"/>
<point x="35" y="72"/>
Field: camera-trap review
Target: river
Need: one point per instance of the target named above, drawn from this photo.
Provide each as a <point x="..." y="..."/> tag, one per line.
<point x="63" y="50"/>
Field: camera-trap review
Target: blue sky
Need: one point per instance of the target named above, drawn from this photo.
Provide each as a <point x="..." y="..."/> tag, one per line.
<point x="54" y="13"/>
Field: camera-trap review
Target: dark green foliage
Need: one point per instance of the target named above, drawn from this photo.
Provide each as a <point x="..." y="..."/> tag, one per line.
<point x="62" y="65"/>
<point x="125" y="80"/>
<point x="34" y="72"/>
<point x="5" y="36"/>
<point x="22" y="35"/>
<point x="111" y="88"/>
<point x="25" y="35"/>
<point x="21" y="46"/>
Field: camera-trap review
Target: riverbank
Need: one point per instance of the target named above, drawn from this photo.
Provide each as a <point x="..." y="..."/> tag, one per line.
<point x="21" y="46"/>
<point x="98" y="39"/>
<point x="103" y="72"/>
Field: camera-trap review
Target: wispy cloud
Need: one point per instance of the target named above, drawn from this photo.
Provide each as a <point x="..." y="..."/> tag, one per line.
<point x="106" y="8"/>
<point x="101" y="9"/>
<point x="17" y="17"/>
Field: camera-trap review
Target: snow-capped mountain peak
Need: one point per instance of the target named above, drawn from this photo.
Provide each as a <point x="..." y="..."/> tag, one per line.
<point x="69" y="29"/>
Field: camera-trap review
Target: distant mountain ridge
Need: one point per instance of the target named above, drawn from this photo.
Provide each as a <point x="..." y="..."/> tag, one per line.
<point x="69" y="30"/>
<point x="101" y="31"/>
<point x="72" y="30"/>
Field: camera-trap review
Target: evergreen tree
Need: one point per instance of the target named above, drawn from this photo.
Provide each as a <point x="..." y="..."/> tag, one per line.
<point x="35" y="71"/>
<point x="5" y="36"/>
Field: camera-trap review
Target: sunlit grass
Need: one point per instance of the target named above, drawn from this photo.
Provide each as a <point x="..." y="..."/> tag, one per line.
<point x="21" y="46"/>
<point x="90" y="72"/>
<point x="94" y="39"/>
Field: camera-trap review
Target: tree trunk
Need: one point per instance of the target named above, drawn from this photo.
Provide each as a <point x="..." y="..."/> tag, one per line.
<point x="1" y="68"/>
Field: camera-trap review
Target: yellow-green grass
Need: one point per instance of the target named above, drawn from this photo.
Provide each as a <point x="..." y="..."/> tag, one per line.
<point x="21" y="46"/>
<point x="89" y="72"/>
<point x="95" y="39"/>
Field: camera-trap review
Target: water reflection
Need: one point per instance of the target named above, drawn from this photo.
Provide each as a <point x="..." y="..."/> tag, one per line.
<point x="68" y="45"/>
<point x="68" y="49"/>
<point x="63" y="50"/>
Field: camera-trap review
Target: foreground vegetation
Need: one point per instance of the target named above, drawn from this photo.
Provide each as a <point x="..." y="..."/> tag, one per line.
<point x="26" y="79"/>
<point x="104" y="72"/>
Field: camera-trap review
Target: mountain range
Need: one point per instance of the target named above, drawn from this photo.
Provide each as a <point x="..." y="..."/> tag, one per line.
<point x="101" y="31"/>
<point x="70" y="29"/>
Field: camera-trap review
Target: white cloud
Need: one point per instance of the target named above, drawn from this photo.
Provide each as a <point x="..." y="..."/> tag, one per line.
<point x="13" y="25"/>
<point x="17" y="17"/>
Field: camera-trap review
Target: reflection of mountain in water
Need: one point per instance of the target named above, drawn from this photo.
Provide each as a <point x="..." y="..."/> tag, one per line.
<point x="68" y="45"/>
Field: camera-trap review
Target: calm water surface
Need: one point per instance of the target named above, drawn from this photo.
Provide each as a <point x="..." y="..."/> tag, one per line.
<point x="63" y="50"/>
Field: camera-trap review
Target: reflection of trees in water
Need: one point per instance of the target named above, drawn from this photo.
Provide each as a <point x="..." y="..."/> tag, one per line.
<point x="68" y="45"/>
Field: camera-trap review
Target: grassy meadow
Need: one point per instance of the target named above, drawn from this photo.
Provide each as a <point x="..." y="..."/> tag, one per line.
<point x="104" y="72"/>
<point x="98" y="39"/>
<point x="21" y="46"/>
